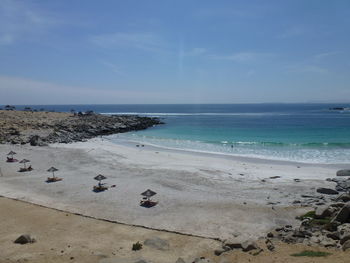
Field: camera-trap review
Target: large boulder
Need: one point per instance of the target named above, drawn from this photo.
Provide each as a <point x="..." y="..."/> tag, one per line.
<point x="36" y="140"/>
<point x="232" y="243"/>
<point x="343" y="232"/>
<point x="326" y="191"/>
<point x="24" y="239"/>
<point x="346" y="245"/>
<point x="249" y="245"/>
<point x="343" y="216"/>
<point x="343" y="173"/>
<point x="344" y="198"/>
<point x="324" y="211"/>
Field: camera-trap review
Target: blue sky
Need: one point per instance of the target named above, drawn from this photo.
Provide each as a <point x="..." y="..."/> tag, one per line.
<point x="204" y="51"/>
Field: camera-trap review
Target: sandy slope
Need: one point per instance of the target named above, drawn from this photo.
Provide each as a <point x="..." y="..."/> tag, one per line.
<point x="65" y="237"/>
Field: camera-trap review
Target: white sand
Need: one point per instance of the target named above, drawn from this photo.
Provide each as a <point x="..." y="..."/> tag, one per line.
<point x="198" y="194"/>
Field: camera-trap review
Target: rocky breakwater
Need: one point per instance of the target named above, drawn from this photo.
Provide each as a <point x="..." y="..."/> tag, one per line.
<point x="42" y="128"/>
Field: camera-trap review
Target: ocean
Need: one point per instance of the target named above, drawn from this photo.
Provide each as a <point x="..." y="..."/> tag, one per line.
<point x="310" y="133"/>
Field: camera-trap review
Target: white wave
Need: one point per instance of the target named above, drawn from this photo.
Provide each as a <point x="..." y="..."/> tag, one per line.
<point x="197" y="114"/>
<point x="246" y="149"/>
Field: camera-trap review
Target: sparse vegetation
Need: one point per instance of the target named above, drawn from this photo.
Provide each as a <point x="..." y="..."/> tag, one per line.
<point x="310" y="253"/>
<point x="310" y="214"/>
<point x="136" y="246"/>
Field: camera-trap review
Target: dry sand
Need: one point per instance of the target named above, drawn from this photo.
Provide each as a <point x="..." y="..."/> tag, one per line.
<point x="65" y="237"/>
<point x="201" y="195"/>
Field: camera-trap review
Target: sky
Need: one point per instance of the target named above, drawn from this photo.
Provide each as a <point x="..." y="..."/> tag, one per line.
<point x="162" y="51"/>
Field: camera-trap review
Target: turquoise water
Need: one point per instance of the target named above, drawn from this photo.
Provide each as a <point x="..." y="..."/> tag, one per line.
<point x="310" y="133"/>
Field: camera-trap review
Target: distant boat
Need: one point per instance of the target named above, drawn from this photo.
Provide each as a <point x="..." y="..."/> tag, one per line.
<point x="339" y="108"/>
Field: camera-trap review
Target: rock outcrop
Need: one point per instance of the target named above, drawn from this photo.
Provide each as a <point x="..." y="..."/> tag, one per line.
<point x="42" y="128"/>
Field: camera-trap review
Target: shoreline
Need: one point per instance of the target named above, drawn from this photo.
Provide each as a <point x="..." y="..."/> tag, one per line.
<point x="225" y="153"/>
<point x="132" y="143"/>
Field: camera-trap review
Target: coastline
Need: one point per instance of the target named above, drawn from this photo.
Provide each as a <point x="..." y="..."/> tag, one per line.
<point x="223" y="155"/>
<point x="193" y="189"/>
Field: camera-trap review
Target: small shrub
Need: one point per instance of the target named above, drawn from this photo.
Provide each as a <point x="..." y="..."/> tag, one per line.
<point x="309" y="253"/>
<point x="310" y="214"/>
<point x="322" y="222"/>
<point x="136" y="246"/>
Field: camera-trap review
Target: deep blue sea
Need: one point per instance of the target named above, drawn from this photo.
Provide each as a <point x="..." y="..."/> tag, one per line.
<point x="310" y="133"/>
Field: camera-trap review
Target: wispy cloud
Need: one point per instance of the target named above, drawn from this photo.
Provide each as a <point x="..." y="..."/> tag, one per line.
<point x="22" y="20"/>
<point x="243" y="57"/>
<point x="326" y="55"/>
<point x="144" y="41"/>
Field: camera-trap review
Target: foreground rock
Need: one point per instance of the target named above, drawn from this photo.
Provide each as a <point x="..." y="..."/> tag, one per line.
<point x="24" y="239"/>
<point x="41" y="128"/>
<point x="327" y="191"/>
<point x="327" y="226"/>
<point x="343" y="173"/>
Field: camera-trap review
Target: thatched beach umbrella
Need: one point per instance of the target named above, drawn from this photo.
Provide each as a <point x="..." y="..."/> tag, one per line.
<point x="53" y="170"/>
<point x="12" y="153"/>
<point x="148" y="193"/>
<point x="24" y="161"/>
<point x="99" y="178"/>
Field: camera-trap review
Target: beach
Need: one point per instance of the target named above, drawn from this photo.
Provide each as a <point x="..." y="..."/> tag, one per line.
<point x="201" y="195"/>
<point x="66" y="237"/>
<point x="202" y="199"/>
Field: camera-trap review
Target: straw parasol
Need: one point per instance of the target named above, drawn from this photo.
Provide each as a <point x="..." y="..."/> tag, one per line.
<point x="12" y="153"/>
<point x="148" y="193"/>
<point x="24" y="161"/>
<point x="99" y="178"/>
<point x="53" y="170"/>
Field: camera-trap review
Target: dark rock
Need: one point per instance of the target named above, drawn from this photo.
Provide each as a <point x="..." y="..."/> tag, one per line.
<point x="346" y="245"/>
<point x="343" y="232"/>
<point x="24" y="239"/>
<point x="323" y="212"/>
<point x="219" y="251"/>
<point x="327" y="191"/>
<point x="333" y="235"/>
<point x="202" y="260"/>
<point x="270" y="246"/>
<point x="344" y="198"/>
<point x="36" y="141"/>
<point x="343" y="173"/>
<point x="233" y="243"/>
<point x="249" y="245"/>
<point x="327" y="242"/>
<point x="343" y="215"/>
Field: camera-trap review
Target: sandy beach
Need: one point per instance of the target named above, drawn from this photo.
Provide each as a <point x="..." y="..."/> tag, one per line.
<point x="65" y="237"/>
<point x="201" y="195"/>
